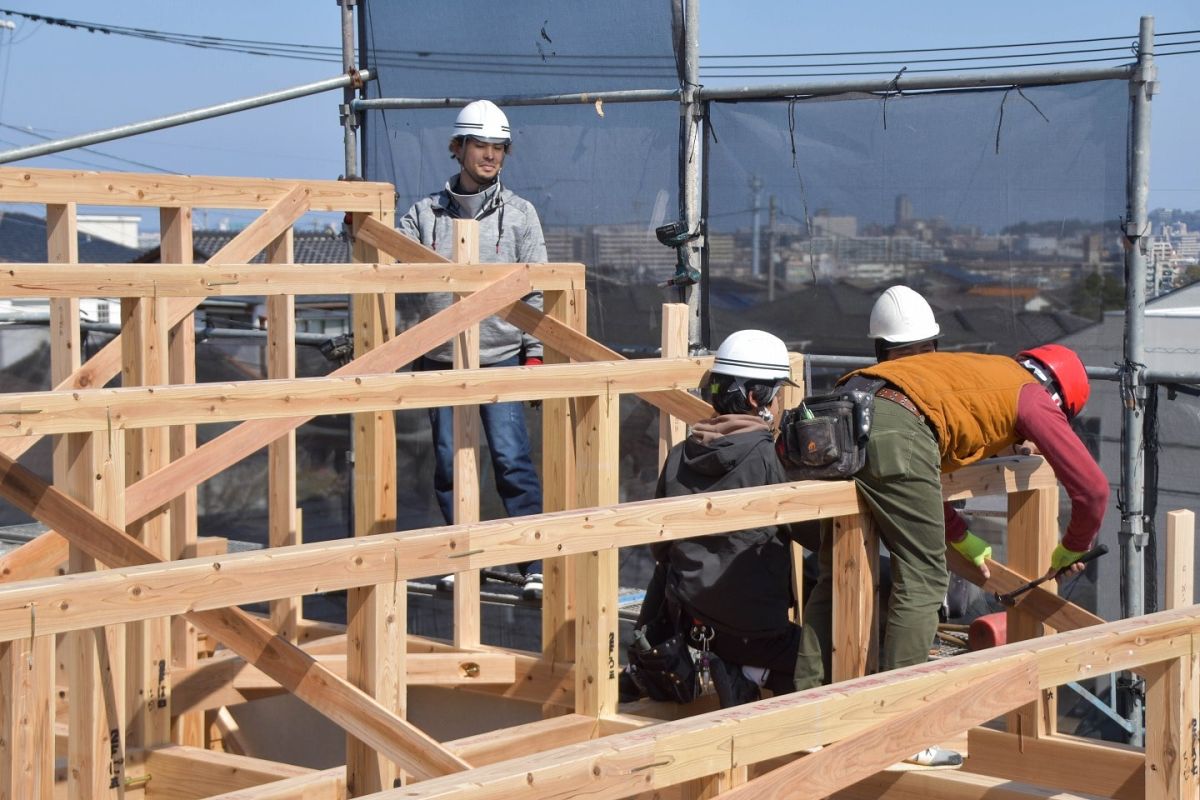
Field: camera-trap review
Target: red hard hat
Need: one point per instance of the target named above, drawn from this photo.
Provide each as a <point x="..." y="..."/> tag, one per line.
<point x="1067" y="371"/>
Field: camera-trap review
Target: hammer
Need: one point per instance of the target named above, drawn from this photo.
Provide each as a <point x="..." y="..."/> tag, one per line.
<point x="1009" y="598"/>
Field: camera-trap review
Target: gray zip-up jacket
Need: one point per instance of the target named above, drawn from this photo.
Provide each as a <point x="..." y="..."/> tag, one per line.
<point x="509" y="233"/>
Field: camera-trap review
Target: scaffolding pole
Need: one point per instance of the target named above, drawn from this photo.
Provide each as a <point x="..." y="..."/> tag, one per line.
<point x="1133" y="537"/>
<point x="690" y="143"/>
<point x="953" y="80"/>
<point x="159" y="123"/>
<point x="349" y="117"/>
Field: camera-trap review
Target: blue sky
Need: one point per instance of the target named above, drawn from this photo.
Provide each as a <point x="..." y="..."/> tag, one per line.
<point x="59" y="82"/>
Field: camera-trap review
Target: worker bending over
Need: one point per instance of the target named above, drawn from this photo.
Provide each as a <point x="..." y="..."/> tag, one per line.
<point x="938" y="412"/>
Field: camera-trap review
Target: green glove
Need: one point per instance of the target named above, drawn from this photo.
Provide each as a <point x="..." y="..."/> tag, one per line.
<point x="1062" y="558"/>
<point x="974" y="548"/>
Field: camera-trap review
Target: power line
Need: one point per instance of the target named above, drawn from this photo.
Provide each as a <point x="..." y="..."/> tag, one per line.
<point x="452" y="61"/>
<point x="93" y="151"/>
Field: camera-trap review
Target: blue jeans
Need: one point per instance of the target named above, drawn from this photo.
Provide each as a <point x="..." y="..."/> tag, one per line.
<point x="517" y="482"/>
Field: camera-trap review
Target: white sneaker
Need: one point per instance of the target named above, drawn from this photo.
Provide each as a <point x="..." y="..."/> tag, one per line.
<point x="532" y="589"/>
<point x="936" y="757"/>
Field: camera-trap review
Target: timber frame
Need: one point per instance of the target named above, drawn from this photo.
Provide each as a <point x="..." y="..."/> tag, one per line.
<point x="110" y="668"/>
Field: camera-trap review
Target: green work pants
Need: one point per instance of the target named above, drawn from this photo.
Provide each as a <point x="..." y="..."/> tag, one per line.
<point x="901" y="485"/>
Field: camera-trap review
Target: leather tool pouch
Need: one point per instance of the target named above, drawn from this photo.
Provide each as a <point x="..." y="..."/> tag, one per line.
<point x="825" y="437"/>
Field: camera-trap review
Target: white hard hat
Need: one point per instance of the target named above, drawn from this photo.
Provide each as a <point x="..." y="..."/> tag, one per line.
<point x="901" y="315"/>
<point x="483" y="120"/>
<point x="753" y="355"/>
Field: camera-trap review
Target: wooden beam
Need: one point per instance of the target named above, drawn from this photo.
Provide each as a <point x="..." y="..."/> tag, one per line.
<point x="102" y="366"/>
<point x="674" y="752"/>
<point x="189" y="773"/>
<point x="558" y="485"/>
<point x="376" y="615"/>
<point x="95" y="658"/>
<point x="1071" y="763"/>
<point x="1173" y="688"/>
<point x="671" y="430"/>
<point x="236" y="444"/>
<point x="175" y="225"/>
<point x="38" y="413"/>
<point x="578" y="346"/>
<point x="230" y="681"/>
<point x="855" y="587"/>
<point x="328" y="784"/>
<point x="36" y="185"/>
<point x="465" y="426"/>
<point x="596" y="624"/>
<point x="328" y="566"/>
<point x="175" y="278"/>
<point x="148" y="643"/>
<point x="856" y="757"/>
<point x="343" y="703"/>
<point x="1032" y="535"/>
<point x="524" y="740"/>
<point x="27" y="717"/>
<point x="950" y="785"/>
<point x="400" y="247"/>
<point x="283" y="513"/>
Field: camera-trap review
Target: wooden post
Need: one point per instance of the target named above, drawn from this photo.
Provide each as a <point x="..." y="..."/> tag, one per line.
<point x="282" y="514"/>
<point x="792" y="397"/>
<point x="144" y="327"/>
<point x="596" y="573"/>
<point x="1032" y="535"/>
<point x="1173" y="687"/>
<point x="672" y="430"/>
<point x="27" y="667"/>
<point x="95" y="658"/>
<point x="559" y="492"/>
<point x="376" y="615"/>
<point x="176" y="248"/>
<point x="855" y="582"/>
<point x="466" y="450"/>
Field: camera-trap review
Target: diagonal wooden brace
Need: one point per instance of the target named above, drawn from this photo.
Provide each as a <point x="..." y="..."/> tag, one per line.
<point x="45" y="553"/>
<point x="143" y="497"/>
<point x="355" y="711"/>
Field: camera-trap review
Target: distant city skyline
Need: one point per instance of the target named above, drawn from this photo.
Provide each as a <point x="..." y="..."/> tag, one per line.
<point x="55" y="81"/>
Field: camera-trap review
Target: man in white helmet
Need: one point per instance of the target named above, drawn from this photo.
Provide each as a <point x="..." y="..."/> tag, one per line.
<point x="902" y="324"/>
<point x="509" y="232"/>
<point x="731" y="592"/>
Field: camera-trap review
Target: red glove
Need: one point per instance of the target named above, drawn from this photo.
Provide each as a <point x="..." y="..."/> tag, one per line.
<point x="533" y="361"/>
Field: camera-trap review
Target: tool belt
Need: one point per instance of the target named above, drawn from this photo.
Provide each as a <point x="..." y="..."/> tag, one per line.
<point x="825" y="437"/>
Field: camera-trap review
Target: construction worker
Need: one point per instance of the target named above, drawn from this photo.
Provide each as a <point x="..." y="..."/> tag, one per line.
<point x="902" y="324"/>
<point x="938" y="412"/>
<point x="509" y="232"/>
<point x="733" y="591"/>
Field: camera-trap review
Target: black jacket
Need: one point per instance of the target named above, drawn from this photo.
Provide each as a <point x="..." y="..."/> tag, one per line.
<point x="738" y="582"/>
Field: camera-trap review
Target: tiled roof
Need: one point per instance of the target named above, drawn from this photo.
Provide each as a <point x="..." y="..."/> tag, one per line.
<point x="311" y="247"/>
<point x="23" y="240"/>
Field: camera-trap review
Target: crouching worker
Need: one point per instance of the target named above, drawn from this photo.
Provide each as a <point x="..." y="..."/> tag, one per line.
<point x="728" y="595"/>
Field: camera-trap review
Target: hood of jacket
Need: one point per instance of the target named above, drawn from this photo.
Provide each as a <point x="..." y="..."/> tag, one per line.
<point x="718" y="445"/>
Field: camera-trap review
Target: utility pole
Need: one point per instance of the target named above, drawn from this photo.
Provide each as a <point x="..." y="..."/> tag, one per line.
<point x="756" y="186"/>
<point x="770" y="248"/>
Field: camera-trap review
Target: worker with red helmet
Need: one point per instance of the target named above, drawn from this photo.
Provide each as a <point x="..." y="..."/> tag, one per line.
<point x="935" y="413"/>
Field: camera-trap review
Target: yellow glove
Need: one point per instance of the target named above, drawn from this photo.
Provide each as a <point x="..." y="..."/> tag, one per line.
<point x="974" y="548"/>
<point x="1062" y="558"/>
